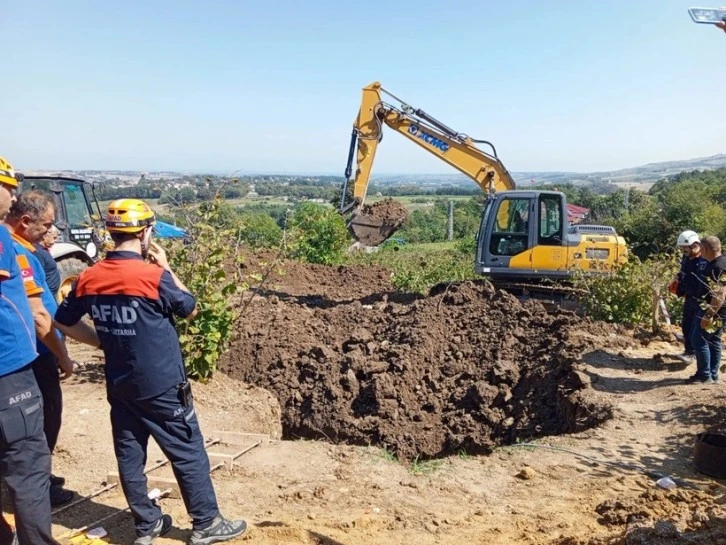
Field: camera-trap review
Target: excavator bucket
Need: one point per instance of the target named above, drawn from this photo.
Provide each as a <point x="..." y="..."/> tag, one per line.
<point x="373" y="224"/>
<point x="370" y="230"/>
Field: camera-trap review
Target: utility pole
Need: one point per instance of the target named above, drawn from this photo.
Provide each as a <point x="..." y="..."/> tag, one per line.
<point x="451" y="220"/>
<point x="627" y="201"/>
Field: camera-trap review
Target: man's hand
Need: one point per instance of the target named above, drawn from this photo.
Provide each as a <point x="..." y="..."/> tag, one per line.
<point x="157" y="255"/>
<point x="722" y="25"/>
<point x="66" y="365"/>
<point x="673" y="286"/>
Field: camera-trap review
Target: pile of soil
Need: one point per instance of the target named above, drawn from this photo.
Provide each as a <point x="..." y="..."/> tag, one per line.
<point x="467" y="369"/>
<point x="291" y="279"/>
<point x="660" y="517"/>
<point x="389" y="211"/>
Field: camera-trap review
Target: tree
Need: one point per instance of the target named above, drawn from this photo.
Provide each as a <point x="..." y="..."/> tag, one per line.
<point x="260" y="230"/>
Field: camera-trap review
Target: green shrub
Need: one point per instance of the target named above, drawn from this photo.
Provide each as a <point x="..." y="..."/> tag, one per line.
<point x="208" y="264"/>
<point x="317" y="234"/>
<point x="626" y="295"/>
<point x="260" y="231"/>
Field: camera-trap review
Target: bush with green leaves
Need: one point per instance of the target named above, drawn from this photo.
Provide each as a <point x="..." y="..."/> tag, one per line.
<point x="317" y="234"/>
<point x="208" y="264"/>
<point x="259" y="230"/>
<point x="626" y="295"/>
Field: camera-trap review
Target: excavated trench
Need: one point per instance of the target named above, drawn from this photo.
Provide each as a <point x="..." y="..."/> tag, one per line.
<point x="467" y="369"/>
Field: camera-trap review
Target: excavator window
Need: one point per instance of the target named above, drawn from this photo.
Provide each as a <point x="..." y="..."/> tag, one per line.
<point x="510" y="235"/>
<point x="550" y="220"/>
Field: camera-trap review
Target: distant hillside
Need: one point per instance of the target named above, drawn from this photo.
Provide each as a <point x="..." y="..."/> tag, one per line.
<point x="644" y="175"/>
<point x="636" y="175"/>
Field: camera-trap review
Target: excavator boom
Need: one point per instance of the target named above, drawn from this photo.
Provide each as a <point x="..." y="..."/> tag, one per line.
<point x="456" y="149"/>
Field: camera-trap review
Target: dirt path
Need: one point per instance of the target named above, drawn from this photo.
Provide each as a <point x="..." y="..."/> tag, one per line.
<point x="310" y="492"/>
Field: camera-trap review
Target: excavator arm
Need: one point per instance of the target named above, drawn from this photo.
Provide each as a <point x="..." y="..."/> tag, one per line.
<point x="454" y="148"/>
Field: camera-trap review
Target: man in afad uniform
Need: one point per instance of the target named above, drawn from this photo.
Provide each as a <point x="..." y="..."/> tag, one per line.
<point x="28" y="221"/>
<point x="689" y="283"/>
<point x="24" y="454"/>
<point x="133" y="304"/>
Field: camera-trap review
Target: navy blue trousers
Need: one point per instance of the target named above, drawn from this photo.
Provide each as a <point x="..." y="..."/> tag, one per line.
<point x="690" y="308"/>
<point x="25" y="459"/>
<point x="45" y="369"/>
<point x="176" y="430"/>
<point x="708" y="349"/>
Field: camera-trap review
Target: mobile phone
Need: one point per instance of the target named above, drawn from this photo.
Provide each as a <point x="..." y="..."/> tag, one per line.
<point x="708" y="16"/>
<point x="146" y="242"/>
<point x="185" y="394"/>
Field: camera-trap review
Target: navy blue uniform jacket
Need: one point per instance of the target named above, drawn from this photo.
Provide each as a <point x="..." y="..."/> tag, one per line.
<point x="132" y="304"/>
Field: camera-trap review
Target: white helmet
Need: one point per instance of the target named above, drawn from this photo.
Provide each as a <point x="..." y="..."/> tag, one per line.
<point x="686" y="238"/>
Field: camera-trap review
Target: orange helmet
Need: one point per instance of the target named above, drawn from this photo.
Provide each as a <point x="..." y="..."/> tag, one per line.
<point x="128" y="216"/>
<point x="7" y="173"/>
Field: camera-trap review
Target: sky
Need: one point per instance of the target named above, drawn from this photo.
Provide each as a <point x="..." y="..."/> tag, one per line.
<point x="250" y="86"/>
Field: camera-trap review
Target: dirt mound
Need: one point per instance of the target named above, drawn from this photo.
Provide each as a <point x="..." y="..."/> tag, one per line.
<point x="690" y="507"/>
<point x="301" y="280"/>
<point x="660" y="517"/>
<point x="467" y="369"/>
<point x="388" y="211"/>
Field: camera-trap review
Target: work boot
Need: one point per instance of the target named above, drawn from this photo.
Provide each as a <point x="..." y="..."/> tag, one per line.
<point x="57" y="481"/>
<point x="163" y="525"/>
<point x="58" y="496"/>
<point x="687" y="357"/>
<point x="220" y="530"/>
<point x="698" y="379"/>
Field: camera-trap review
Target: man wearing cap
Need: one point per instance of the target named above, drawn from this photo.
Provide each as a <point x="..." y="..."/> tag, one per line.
<point x="133" y="304"/>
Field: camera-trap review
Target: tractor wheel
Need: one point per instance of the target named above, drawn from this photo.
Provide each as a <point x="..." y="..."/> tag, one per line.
<point x="69" y="270"/>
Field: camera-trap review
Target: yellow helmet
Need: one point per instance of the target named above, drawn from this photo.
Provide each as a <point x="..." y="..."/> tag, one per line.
<point x="128" y="216"/>
<point x="7" y="173"/>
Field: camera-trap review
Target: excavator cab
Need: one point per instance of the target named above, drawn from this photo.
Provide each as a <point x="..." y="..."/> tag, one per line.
<point x="523" y="235"/>
<point x="527" y="236"/>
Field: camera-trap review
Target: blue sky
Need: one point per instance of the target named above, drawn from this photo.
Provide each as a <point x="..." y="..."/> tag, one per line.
<point x="274" y="86"/>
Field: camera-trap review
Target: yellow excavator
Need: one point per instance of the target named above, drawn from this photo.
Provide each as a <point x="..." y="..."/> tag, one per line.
<point x="523" y="236"/>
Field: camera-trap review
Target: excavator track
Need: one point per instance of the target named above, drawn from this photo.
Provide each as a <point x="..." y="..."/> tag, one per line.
<point x="549" y="294"/>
